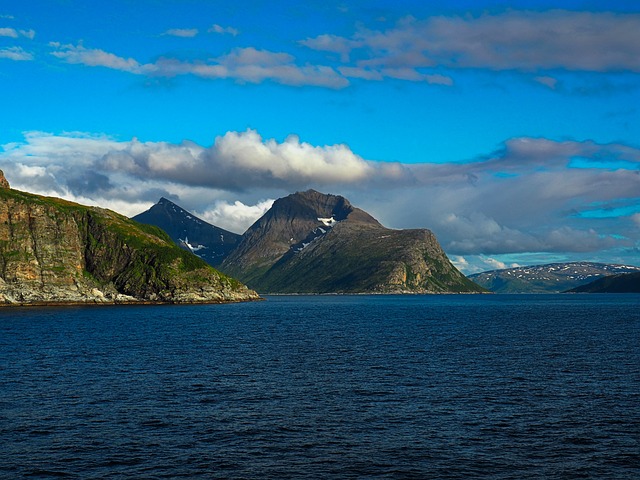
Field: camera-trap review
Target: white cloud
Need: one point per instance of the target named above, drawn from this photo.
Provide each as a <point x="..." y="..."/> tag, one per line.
<point x="459" y="262"/>
<point x="254" y="66"/>
<point x="215" y="28"/>
<point x="15" y="53"/>
<point x="8" y="32"/>
<point x="331" y="43"/>
<point x="495" y="264"/>
<point x="182" y="32"/>
<point x="30" y="34"/>
<point x="241" y="64"/>
<point x="78" y="54"/>
<point x="235" y="217"/>
<point x="13" y="33"/>
<point x="236" y="161"/>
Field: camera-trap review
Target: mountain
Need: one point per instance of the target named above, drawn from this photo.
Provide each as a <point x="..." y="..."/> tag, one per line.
<point x="309" y="242"/>
<point x="622" y="283"/>
<point x="207" y="241"/>
<point x="551" y="278"/>
<point x="54" y="251"/>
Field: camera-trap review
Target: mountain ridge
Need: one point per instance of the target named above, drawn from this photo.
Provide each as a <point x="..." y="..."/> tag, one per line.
<point x="548" y="278"/>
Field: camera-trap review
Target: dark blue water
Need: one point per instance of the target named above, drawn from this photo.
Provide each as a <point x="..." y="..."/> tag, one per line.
<point x="504" y="387"/>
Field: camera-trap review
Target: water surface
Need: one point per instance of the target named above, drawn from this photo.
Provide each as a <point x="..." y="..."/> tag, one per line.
<point x="448" y="386"/>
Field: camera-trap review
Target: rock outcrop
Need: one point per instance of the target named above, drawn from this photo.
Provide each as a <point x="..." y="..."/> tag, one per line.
<point x="3" y="181"/>
<point x="53" y="251"/>
<point x="311" y="242"/>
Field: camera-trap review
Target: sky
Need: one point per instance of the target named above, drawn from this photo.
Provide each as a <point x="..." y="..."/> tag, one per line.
<point x="509" y="129"/>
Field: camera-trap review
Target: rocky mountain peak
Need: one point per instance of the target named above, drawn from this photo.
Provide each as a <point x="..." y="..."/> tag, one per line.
<point x="207" y="241"/>
<point x="4" y="183"/>
<point x="312" y="205"/>
<point x="310" y="242"/>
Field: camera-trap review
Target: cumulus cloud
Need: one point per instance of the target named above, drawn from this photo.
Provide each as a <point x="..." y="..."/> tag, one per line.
<point x="215" y="28"/>
<point x="78" y="163"/>
<point x="235" y="217"/>
<point x="15" y="53"/>
<point x="530" y="195"/>
<point x="182" y="32"/>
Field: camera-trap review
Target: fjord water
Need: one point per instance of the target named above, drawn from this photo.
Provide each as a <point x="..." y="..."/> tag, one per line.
<point x="451" y="386"/>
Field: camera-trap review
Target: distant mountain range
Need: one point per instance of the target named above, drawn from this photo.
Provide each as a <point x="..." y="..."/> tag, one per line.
<point x="209" y="242"/>
<point x="310" y="242"/>
<point x="622" y="283"/>
<point x="550" y="278"/>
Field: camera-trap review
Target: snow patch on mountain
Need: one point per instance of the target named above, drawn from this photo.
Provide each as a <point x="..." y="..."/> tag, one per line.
<point x="192" y="248"/>
<point x="317" y="232"/>
<point x="328" y="222"/>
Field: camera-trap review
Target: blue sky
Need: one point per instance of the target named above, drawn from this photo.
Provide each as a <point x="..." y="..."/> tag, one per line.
<point x="508" y="128"/>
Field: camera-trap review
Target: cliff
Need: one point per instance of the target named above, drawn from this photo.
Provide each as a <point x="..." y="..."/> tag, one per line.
<point x="53" y="251"/>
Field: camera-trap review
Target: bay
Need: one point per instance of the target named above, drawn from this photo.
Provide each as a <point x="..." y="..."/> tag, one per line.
<point x="424" y="386"/>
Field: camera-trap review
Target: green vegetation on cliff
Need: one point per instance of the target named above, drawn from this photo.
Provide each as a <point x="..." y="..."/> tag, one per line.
<point x="52" y="250"/>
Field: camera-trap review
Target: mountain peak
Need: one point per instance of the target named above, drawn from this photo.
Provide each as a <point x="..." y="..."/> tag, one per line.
<point x="311" y="242"/>
<point x="312" y="205"/>
<point x="207" y="241"/>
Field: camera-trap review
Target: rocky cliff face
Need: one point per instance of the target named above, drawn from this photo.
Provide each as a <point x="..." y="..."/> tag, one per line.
<point x="3" y="181"/>
<point x="310" y="242"/>
<point x="53" y="251"/>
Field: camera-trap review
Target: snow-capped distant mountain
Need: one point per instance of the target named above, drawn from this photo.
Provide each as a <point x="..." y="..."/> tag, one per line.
<point x="550" y="278"/>
<point x="209" y="242"/>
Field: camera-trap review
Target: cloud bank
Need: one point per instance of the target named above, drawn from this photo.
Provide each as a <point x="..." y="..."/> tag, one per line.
<point x="514" y="40"/>
<point x="530" y="195"/>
